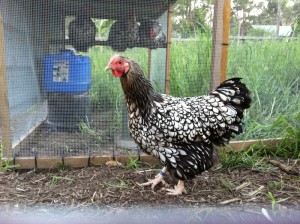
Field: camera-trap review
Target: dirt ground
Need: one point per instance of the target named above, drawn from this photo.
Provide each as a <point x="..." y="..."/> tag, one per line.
<point x="115" y="190"/>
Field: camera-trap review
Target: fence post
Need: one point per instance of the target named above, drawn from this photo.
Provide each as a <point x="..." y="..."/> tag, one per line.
<point x="4" y="104"/>
<point x="168" y="53"/>
<point x="225" y="44"/>
<point x="217" y="44"/>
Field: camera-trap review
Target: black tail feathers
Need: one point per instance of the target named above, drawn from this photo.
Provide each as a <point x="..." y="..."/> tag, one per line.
<point x="234" y="92"/>
<point x="235" y="95"/>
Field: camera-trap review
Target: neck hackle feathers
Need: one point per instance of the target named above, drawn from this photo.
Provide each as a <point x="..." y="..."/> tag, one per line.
<point x="137" y="89"/>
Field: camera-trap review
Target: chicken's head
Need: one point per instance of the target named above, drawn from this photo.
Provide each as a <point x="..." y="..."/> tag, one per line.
<point x="118" y="65"/>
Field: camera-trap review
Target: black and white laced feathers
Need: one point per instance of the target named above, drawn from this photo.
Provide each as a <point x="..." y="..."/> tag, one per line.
<point x="180" y="132"/>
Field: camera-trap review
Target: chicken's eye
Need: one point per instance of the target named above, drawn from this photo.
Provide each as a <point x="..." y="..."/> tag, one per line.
<point x="120" y="62"/>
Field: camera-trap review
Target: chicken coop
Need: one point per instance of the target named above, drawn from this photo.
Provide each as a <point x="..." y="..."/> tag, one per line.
<point x="58" y="105"/>
<point x="46" y="73"/>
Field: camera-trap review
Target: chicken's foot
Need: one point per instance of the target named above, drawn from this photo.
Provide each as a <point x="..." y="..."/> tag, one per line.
<point x="178" y="190"/>
<point x="159" y="178"/>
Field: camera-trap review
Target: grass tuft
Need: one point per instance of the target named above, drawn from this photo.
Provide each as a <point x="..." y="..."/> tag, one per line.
<point x="120" y="183"/>
<point x="56" y="179"/>
<point x="273" y="201"/>
<point x="5" y="164"/>
<point x="133" y="163"/>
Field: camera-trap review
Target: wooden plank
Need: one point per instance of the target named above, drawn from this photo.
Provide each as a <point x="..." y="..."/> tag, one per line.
<point x="77" y="161"/>
<point x="168" y="50"/>
<point x="4" y="110"/>
<point x="83" y="161"/>
<point x="100" y="160"/>
<point x="48" y="162"/>
<point x="72" y="161"/>
<point x="244" y="145"/>
<point x="113" y="9"/>
<point x="217" y="44"/>
<point x="23" y="162"/>
<point x="225" y="43"/>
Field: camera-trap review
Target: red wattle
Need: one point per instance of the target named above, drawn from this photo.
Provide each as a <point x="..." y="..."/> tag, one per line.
<point x="117" y="73"/>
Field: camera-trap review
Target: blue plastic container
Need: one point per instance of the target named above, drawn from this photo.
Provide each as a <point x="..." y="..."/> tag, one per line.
<point x="67" y="73"/>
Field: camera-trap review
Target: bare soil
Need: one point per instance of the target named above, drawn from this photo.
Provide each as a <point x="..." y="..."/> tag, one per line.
<point x="115" y="190"/>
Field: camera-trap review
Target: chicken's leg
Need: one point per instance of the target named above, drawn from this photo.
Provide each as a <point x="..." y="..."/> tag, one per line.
<point x="158" y="178"/>
<point x="178" y="190"/>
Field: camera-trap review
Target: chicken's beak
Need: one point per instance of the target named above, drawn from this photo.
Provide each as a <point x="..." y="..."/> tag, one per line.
<point x="108" y="67"/>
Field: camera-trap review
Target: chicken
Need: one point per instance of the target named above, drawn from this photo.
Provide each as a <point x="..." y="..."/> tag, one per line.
<point x="180" y="132"/>
<point x="123" y="33"/>
<point x="151" y="34"/>
<point x="82" y="33"/>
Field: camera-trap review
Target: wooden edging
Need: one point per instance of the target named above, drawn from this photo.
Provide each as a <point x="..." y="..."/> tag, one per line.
<point x="84" y="161"/>
<point x="244" y="145"/>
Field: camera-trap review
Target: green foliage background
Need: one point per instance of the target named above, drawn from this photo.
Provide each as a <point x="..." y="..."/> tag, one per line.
<point x="270" y="69"/>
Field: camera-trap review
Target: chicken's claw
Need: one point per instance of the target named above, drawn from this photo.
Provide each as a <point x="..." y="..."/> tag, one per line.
<point x="153" y="182"/>
<point x="178" y="189"/>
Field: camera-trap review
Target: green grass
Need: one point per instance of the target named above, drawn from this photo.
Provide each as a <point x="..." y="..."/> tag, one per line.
<point x="89" y="132"/>
<point x="133" y="163"/>
<point x="5" y="164"/>
<point x="257" y="155"/>
<point x="271" y="71"/>
<point x="273" y="201"/>
<point x="253" y="157"/>
<point x="118" y="183"/>
<point x="269" y="68"/>
<point x="190" y="67"/>
<point x="56" y="179"/>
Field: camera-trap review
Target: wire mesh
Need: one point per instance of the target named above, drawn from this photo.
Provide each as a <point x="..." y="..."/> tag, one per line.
<point x="61" y="102"/>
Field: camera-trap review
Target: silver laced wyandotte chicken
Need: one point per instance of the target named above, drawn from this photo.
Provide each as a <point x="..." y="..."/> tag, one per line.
<point x="180" y="132"/>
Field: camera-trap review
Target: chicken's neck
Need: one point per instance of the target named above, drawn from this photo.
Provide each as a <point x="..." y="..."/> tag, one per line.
<point x="139" y="92"/>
